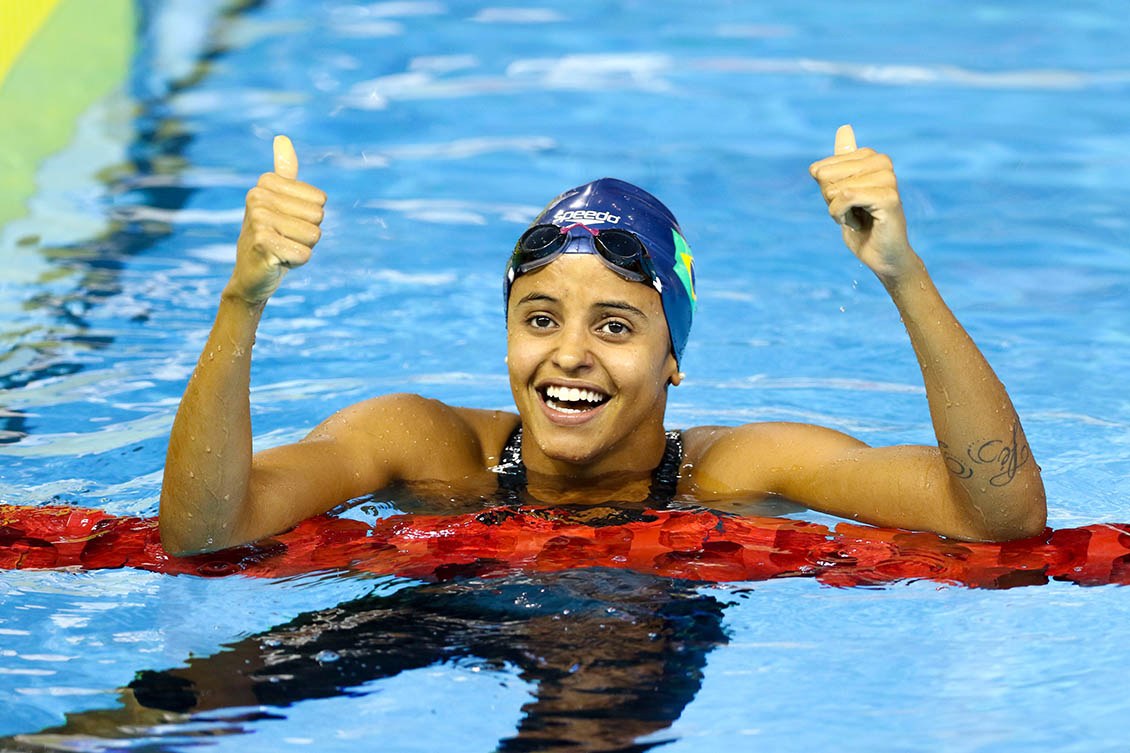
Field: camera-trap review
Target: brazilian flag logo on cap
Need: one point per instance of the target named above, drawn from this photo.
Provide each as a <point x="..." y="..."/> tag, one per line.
<point x="684" y="267"/>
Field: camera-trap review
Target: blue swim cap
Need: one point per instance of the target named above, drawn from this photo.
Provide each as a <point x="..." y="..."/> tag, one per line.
<point x="610" y="203"/>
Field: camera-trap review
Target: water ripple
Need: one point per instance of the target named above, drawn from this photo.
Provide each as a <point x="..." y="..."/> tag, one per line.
<point x="607" y="71"/>
<point x="918" y="75"/>
<point x="140" y="213"/>
<point x="105" y="439"/>
<point x="456" y="212"/>
<point x="450" y="150"/>
<point x="518" y="16"/>
<point x="762" y="382"/>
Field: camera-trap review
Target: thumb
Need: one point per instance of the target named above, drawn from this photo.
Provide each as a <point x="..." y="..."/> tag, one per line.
<point x="286" y="161"/>
<point x="845" y="140"/>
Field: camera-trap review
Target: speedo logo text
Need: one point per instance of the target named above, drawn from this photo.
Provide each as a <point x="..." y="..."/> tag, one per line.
<point x="584" y="216"/>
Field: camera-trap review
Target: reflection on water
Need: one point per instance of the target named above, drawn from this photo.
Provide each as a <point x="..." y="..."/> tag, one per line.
<point x="611" y="657"/>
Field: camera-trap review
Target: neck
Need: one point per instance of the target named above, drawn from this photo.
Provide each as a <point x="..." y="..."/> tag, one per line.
<point x="627" y="487"/>
<point x="620" y="473"/>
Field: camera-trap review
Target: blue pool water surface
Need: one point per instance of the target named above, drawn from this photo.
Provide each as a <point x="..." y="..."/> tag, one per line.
<point x="438" y="130"/>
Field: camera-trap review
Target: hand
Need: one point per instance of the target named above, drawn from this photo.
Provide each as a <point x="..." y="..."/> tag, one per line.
<point x="862" y="194"/>
<point x="280" y="227"/>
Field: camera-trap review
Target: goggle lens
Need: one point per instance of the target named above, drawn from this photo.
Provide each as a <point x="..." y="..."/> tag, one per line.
<point x="620" y="249"/>
<point x="541" y="240"/>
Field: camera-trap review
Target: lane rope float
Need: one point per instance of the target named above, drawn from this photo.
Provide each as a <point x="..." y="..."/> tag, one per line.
<point x="698" y="545"/>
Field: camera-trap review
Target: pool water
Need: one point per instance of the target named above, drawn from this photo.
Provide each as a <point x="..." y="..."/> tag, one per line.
<point x="438" y="130"/>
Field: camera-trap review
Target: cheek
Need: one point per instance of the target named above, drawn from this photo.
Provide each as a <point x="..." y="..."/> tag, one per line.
<point x="643" y="371"/>
<point x="521" y="356"/>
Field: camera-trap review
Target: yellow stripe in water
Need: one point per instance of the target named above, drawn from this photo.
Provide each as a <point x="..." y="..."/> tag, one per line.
<point x="59" y="57"/>
<point x="19" y="20"/>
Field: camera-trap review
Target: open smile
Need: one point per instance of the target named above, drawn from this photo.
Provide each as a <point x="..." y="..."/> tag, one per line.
<point x="571" y="400"/>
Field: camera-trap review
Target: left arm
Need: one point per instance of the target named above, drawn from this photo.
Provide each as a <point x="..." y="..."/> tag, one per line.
<point x="979" y="482"/>
<point x="990" y="471"/>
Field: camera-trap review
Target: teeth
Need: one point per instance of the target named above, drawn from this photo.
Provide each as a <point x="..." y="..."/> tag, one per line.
<point x="573" y="395"/>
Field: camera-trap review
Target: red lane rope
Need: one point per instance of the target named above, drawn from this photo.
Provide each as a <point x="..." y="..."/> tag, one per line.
<point x="693" y="545"/>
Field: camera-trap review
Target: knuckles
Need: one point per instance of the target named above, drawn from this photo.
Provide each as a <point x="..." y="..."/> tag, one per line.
<point x="263" y="237"/>
<point x="257" y="196"/>
<point x="257" y="214"/>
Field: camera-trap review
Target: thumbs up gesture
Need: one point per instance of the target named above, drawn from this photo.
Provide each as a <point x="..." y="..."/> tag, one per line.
<point x="862" y="194"/>
<point x="281" y="224"/>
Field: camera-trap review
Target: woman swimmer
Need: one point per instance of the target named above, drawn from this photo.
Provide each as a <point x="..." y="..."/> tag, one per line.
<point x="600" y="295"/>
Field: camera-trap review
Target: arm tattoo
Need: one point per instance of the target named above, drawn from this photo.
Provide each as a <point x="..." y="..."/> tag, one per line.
<point x="1003" y="458"/>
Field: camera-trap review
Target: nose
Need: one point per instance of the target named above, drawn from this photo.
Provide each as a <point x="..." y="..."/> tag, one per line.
<point x="572" y="352"/>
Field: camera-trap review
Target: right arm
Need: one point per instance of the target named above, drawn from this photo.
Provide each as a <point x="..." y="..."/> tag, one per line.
<point x="217" y="493"/>
<point x="208" y="468"/>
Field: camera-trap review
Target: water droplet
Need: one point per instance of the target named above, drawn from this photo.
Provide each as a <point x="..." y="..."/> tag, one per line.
<point x="326" y="657"/>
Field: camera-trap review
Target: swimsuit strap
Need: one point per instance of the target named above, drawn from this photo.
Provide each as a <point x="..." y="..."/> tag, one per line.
<point x="511" y="470"/>
<point x="664" y="479"/>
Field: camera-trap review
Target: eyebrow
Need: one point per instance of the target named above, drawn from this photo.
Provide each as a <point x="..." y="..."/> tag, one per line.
<point x="538" y="297"/>
<point x="621" y="306"/>
<point x="532" y="297"/>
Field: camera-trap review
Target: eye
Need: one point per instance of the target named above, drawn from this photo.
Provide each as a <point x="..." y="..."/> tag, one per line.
<point x="540" y="321"/>
<point x="616" y="328"/>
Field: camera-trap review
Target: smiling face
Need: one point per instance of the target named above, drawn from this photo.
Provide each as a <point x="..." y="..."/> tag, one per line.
<point x="590" y="360"/>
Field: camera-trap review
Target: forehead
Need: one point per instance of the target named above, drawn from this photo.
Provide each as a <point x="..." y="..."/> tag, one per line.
<point x="584" y="280"/>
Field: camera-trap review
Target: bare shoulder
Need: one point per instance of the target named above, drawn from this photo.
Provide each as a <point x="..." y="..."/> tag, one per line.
<point x="754" y="458"/>
<point x="415" y="437"/>
<point x="366" y="447"/>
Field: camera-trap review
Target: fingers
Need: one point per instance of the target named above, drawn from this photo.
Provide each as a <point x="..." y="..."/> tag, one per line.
<point x="858" y="207"/>
<point x="859" y="185"/>
<point x="286" y="160"/>
<point x="283" y="214"/>
<point x="863" y="165"/>
<point x="287" y="226"/>
<point x="862" y="194"/>
<point x="280" y="227"/>
<point x="859" y="198"/>
<point x="864" y="180"/>
<point x="845" y="140"/>
<point x="288" y="197"/>
<point x="285" y="177"/>
<point x="285" y="251"/>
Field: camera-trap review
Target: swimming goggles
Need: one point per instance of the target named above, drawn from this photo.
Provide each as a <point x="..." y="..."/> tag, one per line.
<point x="622" y="251"/>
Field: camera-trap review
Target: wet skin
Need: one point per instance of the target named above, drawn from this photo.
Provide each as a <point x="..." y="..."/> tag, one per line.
<point x="576" y="324"/>
<point x="590" y="366"/>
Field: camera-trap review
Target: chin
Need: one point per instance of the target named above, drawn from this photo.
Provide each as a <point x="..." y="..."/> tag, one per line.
<point x="575" y="450"/>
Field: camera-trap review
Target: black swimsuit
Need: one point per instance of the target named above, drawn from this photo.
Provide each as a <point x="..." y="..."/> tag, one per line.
<point x="664" y="479"/>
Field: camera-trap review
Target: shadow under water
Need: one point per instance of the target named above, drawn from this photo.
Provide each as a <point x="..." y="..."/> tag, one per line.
<point x="613" y="657"/>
